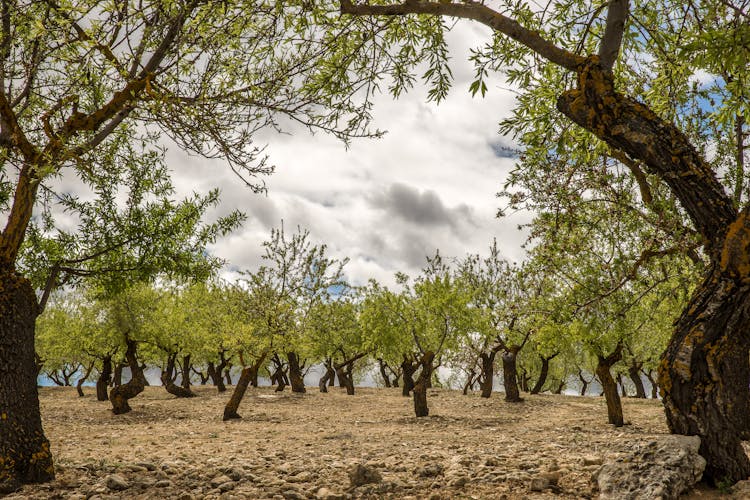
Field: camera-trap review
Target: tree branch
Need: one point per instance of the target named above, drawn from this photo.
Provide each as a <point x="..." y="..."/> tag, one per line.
<point x="470" y="9"/>
<point x="609" y="48"/>
<point x="627" y="125"/>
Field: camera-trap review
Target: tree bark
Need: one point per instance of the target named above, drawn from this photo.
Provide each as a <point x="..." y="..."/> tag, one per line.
<point x="525" y="379"/>
<point x="203" y="376"/>
<point x="329" y="374"/>
<point x="471" y="379"/>
<point x="654" y="385"/>
<point x="168" y="376"/>
<point x="246" y="377"/>
<point x="228" y="373"/>
<point x="120" y="395"/>
<point x="542" y="374"/>
<point x="104" y="379"/>
<point x="408" y="368"/>
<point x="345" y="378"/>
<point x="560" y="387"/>
<point x="612" y="397"/>
<point x="230" y="410"/>
<point x="24" y="450"/>
<point x="621" y="385"/>
<point x="488" y="372"/>
<point x="509" y="356"/>
<point x="217" y="372"/>
<point x="186" y="372"/>
<point x="84" y="377"/>
<point x="584" y="383"/>
<point x="255" y="369"/>
<point x="704" y="373"/>
<point x="420" y="387"/>
<point x="278" y="376"/>
<point x="117" y="377"/>
<point x="296" y="380"/>
<point x="634" y="372"/>
<point x="384" y="373"/>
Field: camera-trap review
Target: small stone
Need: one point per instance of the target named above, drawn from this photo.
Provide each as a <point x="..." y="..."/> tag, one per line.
<point x="302" y="477"/>
<point x="234" y="473"/>
<point x="164" y="483"/>
<point x="552" y="477"/>
<point x="323" y="493"/>
<point x="592" y="460"/>
<point x="539" y="483"/>
<point x="228" y="486"/>
<point x="361" y="474"/>
<point x="430" y="470"/>
<point x="293" y="495"/>
<point x="219" y="480"/>
<point x="134" y="468"/>
<point x="147" y="465"/>
<point x="459" y="481"/>
<point x="116" y="482"/>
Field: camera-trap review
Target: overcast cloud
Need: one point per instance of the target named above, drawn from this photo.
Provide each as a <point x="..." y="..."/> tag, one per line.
<point x="429" y="184"/>
<point x="386" y="204"/>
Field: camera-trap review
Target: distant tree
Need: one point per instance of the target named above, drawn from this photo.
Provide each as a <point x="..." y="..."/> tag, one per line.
<point x="508" y="301"/>
<point x="295" y="279"/>
<point x="338" y="339"/>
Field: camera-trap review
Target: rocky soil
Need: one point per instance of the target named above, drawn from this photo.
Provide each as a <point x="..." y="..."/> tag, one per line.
<point x="315" y="445"/>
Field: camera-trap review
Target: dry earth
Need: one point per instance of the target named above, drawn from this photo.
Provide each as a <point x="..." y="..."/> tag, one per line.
<point x="302" y="446"/>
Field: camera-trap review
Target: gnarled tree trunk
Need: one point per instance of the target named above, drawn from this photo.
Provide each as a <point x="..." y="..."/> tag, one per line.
<point x="408" y="368"/>
<point x="654" y="384"/>
<point x="104" y="379"/>
<point x="471" y="379"/>
<point x="228" y="373"/>
<point x="612" y="397"/>
<point x="167" y="379"/>
<point x="703" y="375"/>
<point x="584" y="383"/>
<point x="329" y="374"/>
<point x="24" y="450"/>
<point x="186" y="372"/>
<point x="384" y="373"/>
<point x="344" y="373"/>
<point x="120" y="395"/>
<point x="296" y="380"/>
<point x="246" y="377"/>
<point x="488" y="372"/>
<point x="420" y="387"/>
<point x="217" y="372"/>
<point x="542" y="373"/>
<point x="230" y="410"/>
<point x="279" y="375"/>
<point x="117" y="377"/>
<point x="509" y="356"/>
<point x="84" y="377"/>
<point x="634" y="372"/>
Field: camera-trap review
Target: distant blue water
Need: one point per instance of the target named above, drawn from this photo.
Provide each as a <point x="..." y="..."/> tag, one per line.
<point x="370" y="379"/>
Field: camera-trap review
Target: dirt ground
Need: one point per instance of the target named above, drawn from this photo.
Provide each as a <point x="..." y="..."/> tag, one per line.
<point x="303" y="446"/>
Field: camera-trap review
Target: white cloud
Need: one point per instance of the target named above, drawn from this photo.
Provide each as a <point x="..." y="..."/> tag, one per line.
<point x="428" y="184"/>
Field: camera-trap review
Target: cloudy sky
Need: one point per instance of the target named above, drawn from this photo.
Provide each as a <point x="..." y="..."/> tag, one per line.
<point x="429" y="184"/>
